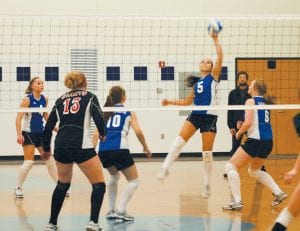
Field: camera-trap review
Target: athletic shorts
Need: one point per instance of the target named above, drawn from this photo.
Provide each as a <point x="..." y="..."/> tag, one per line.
<point x="258" y="148"/>
<point x="32" y="138"/>
<point x="206" y="123"/>
<point x="121" y="159"/>
<point x="70" y="155"/>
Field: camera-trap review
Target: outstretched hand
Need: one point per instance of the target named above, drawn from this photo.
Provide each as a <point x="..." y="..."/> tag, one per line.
<point x="147" y="152"/>
<point x="288" y="177"/>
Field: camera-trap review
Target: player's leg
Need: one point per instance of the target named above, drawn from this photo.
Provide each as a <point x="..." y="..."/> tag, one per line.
<point x="28" y="150"/>
<point x="131" y="175"/>
<point x="93" y="171"/>
<point x="51" y="166"/>
<point x="289" y="212"/>
<point x="187" y="131"/>
<point x="112" y="190"/>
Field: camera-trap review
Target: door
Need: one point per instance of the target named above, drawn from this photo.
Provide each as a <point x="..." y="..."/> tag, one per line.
<point x="282" y="76"/>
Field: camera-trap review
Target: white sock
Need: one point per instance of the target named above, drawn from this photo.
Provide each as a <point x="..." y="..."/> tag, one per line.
<point x="51" y="166"/>
<point x="24" y="170"/>
<point x="112" y="191"/>
<point x="207" y="166"/>
<point x="127" y="194"/>
<point x="234" y="182"/>
<point x="174" y="152"/>
<point x="285" y="217"/>
<point x="268" y="181"/>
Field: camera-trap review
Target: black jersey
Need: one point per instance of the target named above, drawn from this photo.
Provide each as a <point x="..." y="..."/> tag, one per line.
<point x="73" y="111"/>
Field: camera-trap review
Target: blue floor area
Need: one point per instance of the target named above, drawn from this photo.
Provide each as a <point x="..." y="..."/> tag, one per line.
<point x="142" y="223"/>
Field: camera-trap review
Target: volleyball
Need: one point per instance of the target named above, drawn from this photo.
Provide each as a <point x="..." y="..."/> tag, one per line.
<point x="214" y="27"/>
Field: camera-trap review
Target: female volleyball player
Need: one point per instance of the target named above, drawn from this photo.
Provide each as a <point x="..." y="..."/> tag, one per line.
<point x="114" y="152"/>
<point x="293" y="208"/>
<point x="204" y="92"/>
<point x="255" y="149"/>
<point x="73" y="110"/>
<point x="30" y="135"/>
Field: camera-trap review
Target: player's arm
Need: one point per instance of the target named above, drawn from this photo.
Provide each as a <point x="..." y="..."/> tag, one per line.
<point x="290" y="175"/>
<point x="249" y="114"/>
<point x="180" y="102"/>
<point x="24" y="104"/>
<point x="50" y="124"/>
<point x="139" y="134"/>
<point x="218" y="64"/>
<point x="46" y="114"/>
<point x="98" y="118"/>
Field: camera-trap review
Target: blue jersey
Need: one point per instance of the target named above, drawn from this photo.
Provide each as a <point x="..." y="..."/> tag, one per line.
<point x="261" y="127"/>
<point x="33" y="122"/>
<point x="205" y="94"/>
<point x="117" y="128"/>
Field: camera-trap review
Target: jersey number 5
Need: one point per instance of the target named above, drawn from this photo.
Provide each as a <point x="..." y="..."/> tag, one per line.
<point x="74" y="108"/>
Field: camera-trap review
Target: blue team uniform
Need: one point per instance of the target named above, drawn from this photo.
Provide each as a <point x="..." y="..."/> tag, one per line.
<point x="33" y="122"/>
<point x="205" y="94"/>
<point x="117" y="128"/>
<point x="261" y="127"/>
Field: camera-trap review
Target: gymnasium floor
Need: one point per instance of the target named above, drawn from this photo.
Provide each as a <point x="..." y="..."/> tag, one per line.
<point x="175" y="205"/>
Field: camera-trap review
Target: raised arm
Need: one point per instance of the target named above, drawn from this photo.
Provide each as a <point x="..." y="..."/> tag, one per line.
<point x="218" y="64"/>
<point x="139" y="134"/>
<point x="180" y="102"/>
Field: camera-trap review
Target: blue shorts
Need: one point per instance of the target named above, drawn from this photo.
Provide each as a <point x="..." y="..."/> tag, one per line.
<point x="121" y="159"/>
<point x="206" y="123"/>
<point x="32" y="139"/>
<point x="70" y="155"/>
<point x="258" y="148"/>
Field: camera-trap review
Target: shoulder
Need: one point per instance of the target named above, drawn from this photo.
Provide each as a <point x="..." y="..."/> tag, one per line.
<point x="250" y="101"/>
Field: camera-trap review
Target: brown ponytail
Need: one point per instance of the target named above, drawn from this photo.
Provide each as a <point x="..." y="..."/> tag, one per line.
<point x="261" y="88"/>
<point x="115" y="96"/>
<point x="191" y="80"/>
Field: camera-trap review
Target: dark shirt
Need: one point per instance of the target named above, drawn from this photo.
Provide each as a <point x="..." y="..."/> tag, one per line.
<point x="236" y="97"/>
<point x="73" y="111"/>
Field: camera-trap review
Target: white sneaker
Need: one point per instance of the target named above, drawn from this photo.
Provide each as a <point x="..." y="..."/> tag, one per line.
<point x="67" y="194"/>
<point x="163" y="174"/>
<point x="51" y="227"/>
<point x="124" y="216"/>
<point x="206" y="191"/>
<point x="278" y="199"/>
<point x="18" y="193"/>
<point x="111" y="214"/>
<point x="92" y="226"/>
<point x="234" y="206"/>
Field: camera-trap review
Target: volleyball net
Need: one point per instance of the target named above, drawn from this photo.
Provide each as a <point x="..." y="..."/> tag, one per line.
<point x="150" y="57"/>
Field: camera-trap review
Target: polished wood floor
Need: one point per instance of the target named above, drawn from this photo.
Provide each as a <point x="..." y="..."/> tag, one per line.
<point x="176" y="204"/>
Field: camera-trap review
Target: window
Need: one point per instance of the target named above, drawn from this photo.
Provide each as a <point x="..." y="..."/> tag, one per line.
<point x="113" y="73"/>
<point x="224" y="73"/>
<point x="140" y="73"/>
<point x="51" y="73"/>
<point x="23" y="73"/>
<point x="167" y="73"/>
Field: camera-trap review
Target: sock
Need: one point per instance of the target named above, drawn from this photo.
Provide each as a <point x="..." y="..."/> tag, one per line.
<point x="58" y="197"/>
<point x="24" y="170"/>
<point x="52" y="168"/>
<point x="174" y="152"/>
<point x="127" y="194"/>
<point x="207" y="166"/>
<point x="96" y="200"/>
<point x="268" y="181"/>
<point x="112" y="191"/>
<point x="285" y="217"/>
<point x="233" y="181"/>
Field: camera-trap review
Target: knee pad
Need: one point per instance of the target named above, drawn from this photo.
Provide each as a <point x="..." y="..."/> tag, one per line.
<point x="99" y="187"/>
<point x="179" y="142"/>
<point x="114" y="179"/>
<point x="207" y="156"/>
<point x="134" y="183"/>
<point x="229" y="167"/>
<point x="63" y="187"/>
<point x="27" y="165"/>
<point x="254" y="173"/>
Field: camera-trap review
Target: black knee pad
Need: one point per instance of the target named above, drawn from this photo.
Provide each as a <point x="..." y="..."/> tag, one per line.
<point x="99" y="187"/>
<point x="297" y="123"/>
<point x="63" y="187"/>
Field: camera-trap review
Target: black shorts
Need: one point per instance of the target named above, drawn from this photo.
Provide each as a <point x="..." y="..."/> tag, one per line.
<point x="258" y="148"/>
<point x="206" y="123"/>
<point x="70" y="155"/>
<point x="121" y="159"/>
<point x="32" y="138"/>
